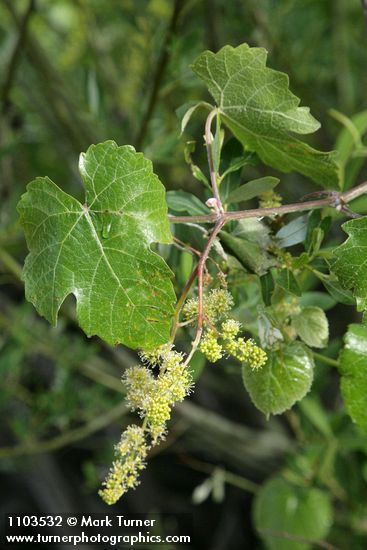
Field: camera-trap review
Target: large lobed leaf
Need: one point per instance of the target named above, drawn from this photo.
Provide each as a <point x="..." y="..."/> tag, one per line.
<point x="100" y="251"/>
<point x="258" y="107"/>
<point x="284" y="379"/>
<point x="351" y="260"/>
<point x="287" y="516"/>
<point x="353" y="370"/>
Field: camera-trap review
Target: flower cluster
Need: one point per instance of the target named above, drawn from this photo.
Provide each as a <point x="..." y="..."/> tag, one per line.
<point x="173" y="384"/>
<point x="215" y="345"/>
<point x="246" y="351"/>
<point x="153" y="397"/>
<point x="130" y="453"/>
<point x="217" y="304"/>
<point x="163" y="379"/>
<point x="270" y="199"/>
<point x="210" y="347"/>
<point x="221" y="333"/>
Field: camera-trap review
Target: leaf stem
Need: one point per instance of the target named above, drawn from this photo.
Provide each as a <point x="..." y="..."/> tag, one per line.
<point x="326" y="360"/>
<point x="186" y="247"/>
<point x="209" y="150"/>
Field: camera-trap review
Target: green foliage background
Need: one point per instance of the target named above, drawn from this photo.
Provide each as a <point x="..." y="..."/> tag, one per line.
<point x="79" y="72"/>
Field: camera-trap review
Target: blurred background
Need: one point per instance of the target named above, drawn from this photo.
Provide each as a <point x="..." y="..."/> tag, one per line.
<point x="76" y="72"/>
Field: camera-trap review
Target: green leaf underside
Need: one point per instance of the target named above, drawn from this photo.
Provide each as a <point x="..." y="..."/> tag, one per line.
<point x="351" y="260"/>
<point x="181" y="201"/>
<point x="287" y="281"/>
<point x="256" y="105"/>
<point x="353" y="370"/>
<point x="318" y="299"/>
<point x="100" y="251"/>
<point x="284" y="379"/>
<point x="340" y="294"/>
<point x="333" y="286"/>
<point x="293" y="232"/>
<point x="251" y="255"/>
<point x="186" y="111"/>
<point x="303" y="512"/>
<point x="253" y="189"/>
<point x="312" y="326"/>
<point x="267" y="287"/>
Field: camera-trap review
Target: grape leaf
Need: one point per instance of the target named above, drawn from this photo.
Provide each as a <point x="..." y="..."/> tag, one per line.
<point x="253" y="189"/>
<point x="334" y="288"/>
<point x="100" y="251"/>
<point x="254" y="230"/>
<point x="318" y="299"/>
<point x="292" y="233"/>
<point x="181" y="201"/>
<point x="233" y="158"/>
<point x="312" y="326"/>
<point x="353" y="369"/>
<point x="351" y="260"/>
<point x="186" y="111"/>
<point x="282" y="509"/>
<point x="284" y="379"/>
<point x="251" y="255"/>
<point x="198" y="174"/>
<point x="238" y="163"/>
<point x="287" y="281"/>
<point x="267" y="287"/>
<point x="257" y="106"/>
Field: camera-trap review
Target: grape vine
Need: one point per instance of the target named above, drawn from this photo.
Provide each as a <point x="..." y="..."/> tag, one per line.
<point x="104" y="252"/>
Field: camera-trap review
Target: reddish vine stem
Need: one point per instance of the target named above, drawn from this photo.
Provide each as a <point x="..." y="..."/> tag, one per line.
<point x="187" y="247"/>
<point x="181" y="302"/>
<point x="203" y="256"/>
<point x="220" y="221"/>
<point x="334" y="200"/>
<point x="201" y="265"/>
<point x="200" y="275"/>
<point x="194" y="252"/>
